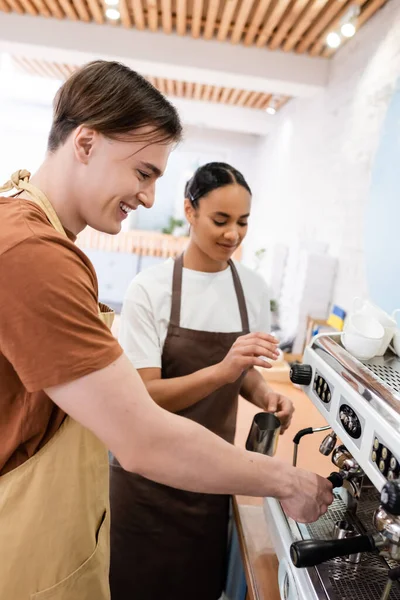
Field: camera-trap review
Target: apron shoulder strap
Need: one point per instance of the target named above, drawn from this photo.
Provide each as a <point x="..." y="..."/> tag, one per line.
<point x="240" y="297"/>
<point x="175" y="317"/>
<point x="20" y="182"/>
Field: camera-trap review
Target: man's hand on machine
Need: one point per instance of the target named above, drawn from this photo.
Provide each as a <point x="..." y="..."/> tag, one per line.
<point x="248" y="351"/>
<point x="309" y="498"/>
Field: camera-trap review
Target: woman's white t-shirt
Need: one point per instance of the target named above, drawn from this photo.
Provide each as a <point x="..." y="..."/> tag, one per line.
<point x="208" y="303"/>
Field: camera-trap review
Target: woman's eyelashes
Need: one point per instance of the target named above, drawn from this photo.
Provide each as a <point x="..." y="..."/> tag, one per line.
<point x="222" y="223"/>
<point x="143" y="175"/>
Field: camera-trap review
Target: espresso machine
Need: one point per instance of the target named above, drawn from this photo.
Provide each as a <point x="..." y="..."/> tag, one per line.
<point x="353" y="551"/>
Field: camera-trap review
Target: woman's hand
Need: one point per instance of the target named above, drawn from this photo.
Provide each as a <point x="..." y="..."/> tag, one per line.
<point x="275" y="403"/>
<point x="249" y="350"/>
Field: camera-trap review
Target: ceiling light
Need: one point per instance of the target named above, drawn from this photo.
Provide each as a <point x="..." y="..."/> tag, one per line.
<point x="113" y="14"/>
<point x="348" y="30"/>
<point x="112" y="2"/>
<point x="271" y="110"/>
<point x="333" y="40"/>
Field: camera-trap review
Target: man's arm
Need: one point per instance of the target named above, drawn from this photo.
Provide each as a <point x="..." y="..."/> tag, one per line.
<point x="114" y="404"/>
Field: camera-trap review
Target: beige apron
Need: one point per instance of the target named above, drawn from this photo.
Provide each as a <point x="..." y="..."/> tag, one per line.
<point x="54" y="513"/>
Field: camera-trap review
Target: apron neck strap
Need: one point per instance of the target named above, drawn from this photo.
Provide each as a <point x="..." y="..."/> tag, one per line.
<point x="244" y="317"/>
<point x="20" y="182"/>
<point x="175" y="317"/>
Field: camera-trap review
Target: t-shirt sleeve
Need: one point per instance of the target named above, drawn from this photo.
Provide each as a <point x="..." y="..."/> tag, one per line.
<point x="138" y="334"/>
<point x="50" y="330"/>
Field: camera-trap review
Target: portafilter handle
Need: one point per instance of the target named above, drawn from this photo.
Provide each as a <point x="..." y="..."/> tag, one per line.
<point x="309" y="553"/>
<point x="336" y="479"/>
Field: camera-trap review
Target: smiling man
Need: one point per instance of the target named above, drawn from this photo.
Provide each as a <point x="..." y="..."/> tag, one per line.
<point x="67" y="391"/>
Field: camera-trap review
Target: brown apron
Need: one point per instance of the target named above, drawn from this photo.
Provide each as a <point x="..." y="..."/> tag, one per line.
<point x="54" y="508"/>
<point x="166" y="543"/>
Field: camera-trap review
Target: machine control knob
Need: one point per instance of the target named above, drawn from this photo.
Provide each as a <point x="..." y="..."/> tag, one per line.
<point x="390" y="497"/>
<point x="301" y="374"/>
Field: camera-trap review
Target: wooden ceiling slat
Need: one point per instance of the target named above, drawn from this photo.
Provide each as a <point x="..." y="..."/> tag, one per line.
<point x="95" y="10"/>
<point x="138" y="14"/>
<point x="366" y="14"/>
<point x="197" y="13"/>
<point x="179" y="88"/>
<point x="55" y="9"/>
<point x="207" y="92"/>
<point x="30" y="9"/>
<point x="18" y="61"/>
<point x="198" y="89"/>
<point x="286" y="24"/>
<point x="189" y="89"/>
<point x="281" y="102"/>
<point x="53" y="69"/>
<point x="315" y="40"/>
<point x="261" y="100"/>
<point x="71" y="69"/>
<point x="166" y="16"/>
<point x="64" y="70"/>
<point x="4" y="6"/>
<point x="60" y="75"/>
<point x="241" y="19"/>
<point x="161" y="84"/>
<point x="216" y="93"/>
<point x="370" y="10"/>
<point x="24" y="65"/>
<point x="252" y="99"/>
<point x="49" y="69"/>
<point x="181" y="17"/>
<point x="266" y="102"/>
<point x="234" y="96"/>
<point x="15" y="5"/>
<point x="152" y="80"/>
<point x="38" y="67"/>
<point x="274" y="18"/>
<point x="307" y="18"/>
<point x="213" y="6"/>
<point x="256" y="21"/>
<point x="229" y="9"/>
<point x="82" y="11"/>
<point x="244" y="94"/>
<point x="125" y="14"/>
<point x="42" y="8"/>
<point x="69" y="10"/>
<point x="225" y="95"/>
<point x="152" y="14"/>
<point x="170" y="87"/>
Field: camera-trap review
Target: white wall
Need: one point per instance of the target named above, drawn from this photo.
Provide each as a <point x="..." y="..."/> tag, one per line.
<point x="315" y="168"/>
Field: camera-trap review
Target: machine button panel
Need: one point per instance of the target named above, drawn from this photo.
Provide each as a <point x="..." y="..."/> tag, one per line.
<point x="384" y="459"/>
<point x="322" y="388"/>
<point x="350" y="421"/>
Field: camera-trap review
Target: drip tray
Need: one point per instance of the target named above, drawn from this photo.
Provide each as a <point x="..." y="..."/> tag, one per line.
<point x="345" y="581"/>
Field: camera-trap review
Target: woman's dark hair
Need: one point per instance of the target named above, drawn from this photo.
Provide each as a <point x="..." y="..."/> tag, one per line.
<point x="210" y="177"/>
<point x="114" y="100"/>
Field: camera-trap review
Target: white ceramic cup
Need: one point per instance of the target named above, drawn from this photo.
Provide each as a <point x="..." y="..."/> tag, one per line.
<point x="395" y="345"/>
<point x="367" y="308"/>
<point x="362" y="336"/>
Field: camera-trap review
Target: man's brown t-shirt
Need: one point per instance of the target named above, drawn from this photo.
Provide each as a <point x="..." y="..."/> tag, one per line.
<point x="50" y="332"/>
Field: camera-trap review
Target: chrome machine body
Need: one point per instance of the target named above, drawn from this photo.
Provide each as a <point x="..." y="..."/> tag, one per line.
<point x="352" y="552"/>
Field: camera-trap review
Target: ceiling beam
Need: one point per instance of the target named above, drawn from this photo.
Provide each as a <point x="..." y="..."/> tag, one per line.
<point x="168" y="56"/>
